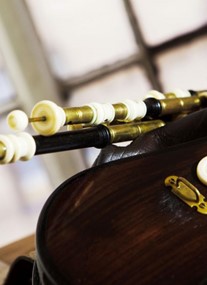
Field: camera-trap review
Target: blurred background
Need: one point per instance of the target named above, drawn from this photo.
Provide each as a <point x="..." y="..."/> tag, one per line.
<point x="80" y="51"/>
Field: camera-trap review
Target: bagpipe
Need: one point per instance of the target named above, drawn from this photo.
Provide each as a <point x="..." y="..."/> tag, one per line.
<point x="138" y="220"/>
<point x="92" y="125"/>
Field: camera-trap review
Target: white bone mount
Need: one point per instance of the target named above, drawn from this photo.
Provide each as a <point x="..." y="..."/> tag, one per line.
<point x="135" y="110"/>
<point x="19" y="146"/>
<point x="202" y="170"/>
<point x="17" y="120"/>
<point x="158" y="95"/>
<point x="54" y="117"/>
<point x="181" y="93"/>
<point x="155" y="94"/>
<point x="102" y="113"/>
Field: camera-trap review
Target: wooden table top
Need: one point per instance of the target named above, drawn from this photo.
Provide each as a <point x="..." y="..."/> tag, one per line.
<point x="8" y="253"/>
<point x="24" y="246"/>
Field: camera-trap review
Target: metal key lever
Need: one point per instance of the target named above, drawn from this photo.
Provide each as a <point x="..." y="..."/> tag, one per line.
<point x="188" y="193"/>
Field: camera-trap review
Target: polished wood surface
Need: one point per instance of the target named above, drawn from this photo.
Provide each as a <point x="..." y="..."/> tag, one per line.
<point x="18" y="248"/>
<point x="8" y="253"/>
<point x="119" y="224"/>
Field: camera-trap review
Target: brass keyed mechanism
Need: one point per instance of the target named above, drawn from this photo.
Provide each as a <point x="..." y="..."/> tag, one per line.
<point x="188" y="193"/>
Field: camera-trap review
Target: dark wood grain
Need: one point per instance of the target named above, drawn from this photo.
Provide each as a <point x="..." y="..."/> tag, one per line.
<point x="119" y="224"/>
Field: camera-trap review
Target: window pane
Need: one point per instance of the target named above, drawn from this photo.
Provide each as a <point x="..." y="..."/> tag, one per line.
<point x="80" y="35"/>
<point x="165" y="19"/>
<point x="184" y="67"/>
<point x="7" y="92"/>
<point x="128" y="84"/>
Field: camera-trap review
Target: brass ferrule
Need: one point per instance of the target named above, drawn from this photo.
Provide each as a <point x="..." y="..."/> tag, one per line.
<point x="2" y="150"/>
<point x="85" y="114"/>
<point x="202" y="93"/>
<point x="120" y="111"/>
<point x="77" y="115"/>
<point x="170" y="95"/>
<point x="180" y="105"/>
<point x="130" y="131"/>
<point x="75" y="127"/>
